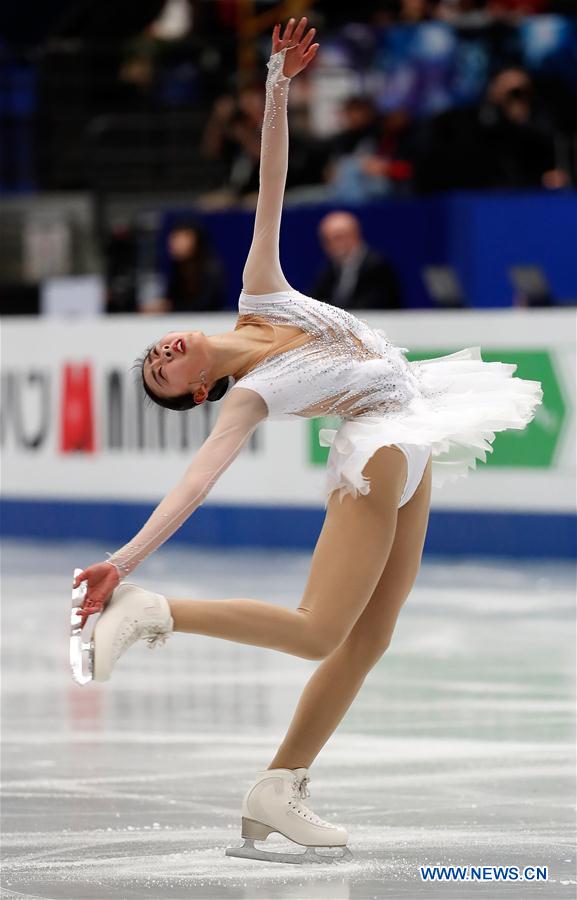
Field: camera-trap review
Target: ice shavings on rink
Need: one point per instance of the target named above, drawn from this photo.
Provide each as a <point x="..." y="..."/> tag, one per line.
<point x="458" y="750"/>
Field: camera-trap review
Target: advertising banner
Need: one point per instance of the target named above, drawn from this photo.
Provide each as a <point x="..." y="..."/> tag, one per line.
<point x="74" y="424"/>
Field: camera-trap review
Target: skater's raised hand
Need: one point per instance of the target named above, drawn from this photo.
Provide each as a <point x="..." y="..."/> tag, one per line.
<point x="101" y="580"/>
<point x="300" y="50"/>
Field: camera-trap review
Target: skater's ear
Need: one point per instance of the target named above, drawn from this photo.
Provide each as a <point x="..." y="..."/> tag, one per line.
<point x="185" y="401"/>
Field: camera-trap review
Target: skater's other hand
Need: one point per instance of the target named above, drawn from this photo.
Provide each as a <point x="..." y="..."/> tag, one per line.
<point x="300" y="51"/>
<point x="101" y="580"/>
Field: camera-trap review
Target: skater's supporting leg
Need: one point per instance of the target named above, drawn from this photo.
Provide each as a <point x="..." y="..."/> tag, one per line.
<point x="335" y="683"/>
<point x="347" y="564"/>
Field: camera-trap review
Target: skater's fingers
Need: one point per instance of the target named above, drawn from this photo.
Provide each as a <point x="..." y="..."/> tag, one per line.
<point x="299" y="30"/>
<point x="288" y="30"/>
<point x="310" y="54"/>
<point x="92" y="600"/>
<point x="89" y="575"/>
<point x="88" y="611"/>
<point x="307" y="38"/>
<point x="79" y="578"/>
<point x="92" y="605"/>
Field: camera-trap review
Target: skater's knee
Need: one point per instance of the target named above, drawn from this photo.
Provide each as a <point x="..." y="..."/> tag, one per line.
<point x="365" y="650"/>
<point x="319" y="651"/>
<point x="318" y="641"/>
<point x="375" y="651"/>
<point x="318" y="647"/>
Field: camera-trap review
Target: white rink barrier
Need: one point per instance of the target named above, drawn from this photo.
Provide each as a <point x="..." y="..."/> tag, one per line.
<point x="74" y="428"/>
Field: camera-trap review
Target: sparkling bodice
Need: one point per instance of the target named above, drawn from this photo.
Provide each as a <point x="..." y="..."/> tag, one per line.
<point x="347" y="368"/>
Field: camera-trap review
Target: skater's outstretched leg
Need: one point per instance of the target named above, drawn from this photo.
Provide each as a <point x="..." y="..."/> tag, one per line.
<point x="347" y="563"/>
<point x="335" y="683"/>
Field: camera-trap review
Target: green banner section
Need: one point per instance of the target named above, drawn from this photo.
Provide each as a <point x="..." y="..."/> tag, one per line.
<point x="532" y="447"/>
<point x="318" y="455"/>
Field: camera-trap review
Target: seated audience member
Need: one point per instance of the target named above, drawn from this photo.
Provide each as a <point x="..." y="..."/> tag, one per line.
<point x="356" y="277"/>
<point x="232" y="136"/>
<point x="360" y="127"/>
<point x="195" y="278"/>
<point x="391" y="165"/>
<point x="121" y="270"/>
<point x="346" y="150"/>
<point x="497" y="144"/>
<point x="414" y="11"/>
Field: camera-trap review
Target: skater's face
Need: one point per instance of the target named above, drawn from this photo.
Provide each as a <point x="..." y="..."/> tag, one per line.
<point x="174" y="365"/>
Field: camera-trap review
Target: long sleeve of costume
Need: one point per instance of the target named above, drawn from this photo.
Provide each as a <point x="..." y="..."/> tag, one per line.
<point x="262" y="272"/>
<point x="241" y="412"/>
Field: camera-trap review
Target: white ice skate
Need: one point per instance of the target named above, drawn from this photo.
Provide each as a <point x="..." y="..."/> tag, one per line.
<point x="131" y="614"/>
<point x="273" y="804"/>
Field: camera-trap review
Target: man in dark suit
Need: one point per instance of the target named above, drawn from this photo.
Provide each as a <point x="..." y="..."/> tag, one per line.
<point x="356" y="277"/>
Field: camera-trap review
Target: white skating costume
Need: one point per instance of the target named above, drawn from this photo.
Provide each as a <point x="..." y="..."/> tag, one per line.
<point x="317" y="360"/>
<point x="450" y="406"/>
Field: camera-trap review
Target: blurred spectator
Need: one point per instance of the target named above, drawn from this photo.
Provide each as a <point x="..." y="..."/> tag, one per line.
<point x="196" y="276"/>
<point x="518" y="7"/>
<point x="466" y="13"/>
<point x="360" y="127"/>
<point x="356" y="276"/>
<point x="120" y="256"/>
<point x="391" y="166"/>
<point x="232" y="135"/>
<point x="496" y="144"/>
<point x="346" y="150"/>
<point x="134" y="89"/>
<point x="412" y="11"/>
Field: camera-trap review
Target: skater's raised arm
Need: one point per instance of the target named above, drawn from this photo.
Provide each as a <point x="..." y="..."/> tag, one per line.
<point x="290" y="55"/>
<point x="241" y="412"/>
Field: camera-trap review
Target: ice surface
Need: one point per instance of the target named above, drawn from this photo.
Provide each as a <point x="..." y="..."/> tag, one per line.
<point x="458" y="750"/>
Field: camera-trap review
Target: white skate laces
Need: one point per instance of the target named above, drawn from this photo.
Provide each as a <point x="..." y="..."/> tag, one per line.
<point x="300" y="791"/>
<point x="156" y="638"/>
<point x="134" y="630"/>
<point x="303" y="786"/>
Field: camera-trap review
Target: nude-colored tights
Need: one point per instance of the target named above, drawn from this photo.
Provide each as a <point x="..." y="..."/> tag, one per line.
<point x="363" y="568"/>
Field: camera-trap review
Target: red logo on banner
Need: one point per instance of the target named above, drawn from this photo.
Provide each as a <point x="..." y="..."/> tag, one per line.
<point x="76" y="416"/>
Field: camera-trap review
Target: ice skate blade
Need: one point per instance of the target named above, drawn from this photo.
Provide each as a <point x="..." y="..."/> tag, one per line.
<point x="81" y="659"/>
<point x="310" y="855"/>
<point x="81" y="651"/>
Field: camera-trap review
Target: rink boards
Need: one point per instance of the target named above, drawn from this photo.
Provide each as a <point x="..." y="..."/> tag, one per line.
<point x="84" y="458"/>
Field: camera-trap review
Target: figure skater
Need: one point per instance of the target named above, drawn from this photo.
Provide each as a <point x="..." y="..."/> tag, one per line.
<point x="405" y="425"/>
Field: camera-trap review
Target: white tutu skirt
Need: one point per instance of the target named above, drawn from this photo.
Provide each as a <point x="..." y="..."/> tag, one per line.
<point x="461" y="403"/>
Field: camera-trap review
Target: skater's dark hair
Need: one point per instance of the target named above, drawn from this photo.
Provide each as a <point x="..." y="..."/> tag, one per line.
<point x="184" y="401"/>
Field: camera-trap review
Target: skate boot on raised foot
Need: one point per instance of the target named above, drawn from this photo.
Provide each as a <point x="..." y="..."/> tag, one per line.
<point x="130" y="615"/>
<point x="274" y="804"/>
